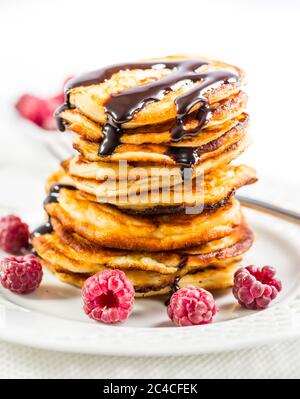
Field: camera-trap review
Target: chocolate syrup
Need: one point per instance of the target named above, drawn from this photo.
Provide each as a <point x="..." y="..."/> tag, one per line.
<point x="61" y="123"/>
<point x="174" y="287"/>
<point x="184" y="156"/>
<point x="183" y="262"/>
<point x="45" y="228"/>
<point x="54" y="192"/>
<point x="121" y="107"/>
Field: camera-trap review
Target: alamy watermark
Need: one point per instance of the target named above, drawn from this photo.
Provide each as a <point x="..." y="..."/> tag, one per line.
<point x="151" y="186"/>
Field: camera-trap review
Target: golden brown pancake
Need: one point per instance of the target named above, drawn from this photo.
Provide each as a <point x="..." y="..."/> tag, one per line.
<point x="119" y="204"/>
<point x="148" y="284"/>
<point x="109" y="227"/>
<point x="223" y="115"/>
<point x="76" y="254"/>
<point x="212" y="192"/>
<point x="161" y="154"/>
<point x="91" y="100"/>
<point x="147" y="173"/>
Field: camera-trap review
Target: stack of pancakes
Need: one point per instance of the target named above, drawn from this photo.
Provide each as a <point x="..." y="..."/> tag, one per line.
<point x="151" y="191"/>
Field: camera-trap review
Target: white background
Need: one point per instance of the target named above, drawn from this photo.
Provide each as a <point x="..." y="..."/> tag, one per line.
<point x="42" y="42"/>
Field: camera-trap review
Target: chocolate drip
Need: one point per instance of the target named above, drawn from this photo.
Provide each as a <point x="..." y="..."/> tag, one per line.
<point x="100" y="75"/>
<point x="178" y="132"/>
<point x="54" y="192"/>
<point x="174" y="287"/>
<point x="184" y="156"/>
<point x="183" y="262"/>
<point x="61" y="123"/>
<point x="187" y="101"/>
<point x="121" y="107"/>
<point x="112" y="133"/>
<point x="45" y="228"/>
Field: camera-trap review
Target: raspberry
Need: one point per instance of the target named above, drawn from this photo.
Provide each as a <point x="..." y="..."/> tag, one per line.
<point x="14" y="235"/>
<point x="108" y="296"/>
<point x="191" y="306"/>
<point x="22" y="274"/>
<point x="39" y="111"/>
<point x="256" y="287"/>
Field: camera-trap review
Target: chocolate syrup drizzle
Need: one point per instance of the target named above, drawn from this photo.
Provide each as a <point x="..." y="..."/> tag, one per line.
<point x="183" y="262"/>
<point x="47" y="228"/>
<point x="174" y="287"/>
<point x="54" y="192"/>
<point x="121" y="107"/>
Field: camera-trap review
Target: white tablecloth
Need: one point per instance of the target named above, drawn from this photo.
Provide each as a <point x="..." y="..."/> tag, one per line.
<point x="275" y="361"/>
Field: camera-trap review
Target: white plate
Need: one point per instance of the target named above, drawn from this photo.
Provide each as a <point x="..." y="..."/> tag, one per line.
<point x="52" y="317"/>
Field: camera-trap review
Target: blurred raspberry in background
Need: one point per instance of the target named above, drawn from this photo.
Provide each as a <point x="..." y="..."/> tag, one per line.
<point x="40" y="110"/>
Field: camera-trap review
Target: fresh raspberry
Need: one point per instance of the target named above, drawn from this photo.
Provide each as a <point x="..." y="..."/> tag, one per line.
<point x="191" y="306"/>
<point x="39" y="111"/>
<point x="14" y="235"/>
<point x="255" y="287"/>
<point x="22" y="274"/>
<point x="108" y="296"/>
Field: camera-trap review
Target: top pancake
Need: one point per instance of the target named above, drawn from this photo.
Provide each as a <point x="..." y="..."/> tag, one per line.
<point x="91" y="100"/>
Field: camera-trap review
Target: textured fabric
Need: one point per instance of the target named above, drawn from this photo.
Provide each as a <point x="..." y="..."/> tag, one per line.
<point x="275" y="361"/>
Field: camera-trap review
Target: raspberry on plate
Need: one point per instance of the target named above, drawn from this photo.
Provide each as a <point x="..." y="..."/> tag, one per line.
<point x="22" y="274"/>
<point x="14" y="235"/>
<point x="191" y="306"/>
<point x="255" y="287"/>
<point x="108" y="296"/>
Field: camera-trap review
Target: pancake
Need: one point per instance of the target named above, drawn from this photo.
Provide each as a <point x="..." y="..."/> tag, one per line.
<point x="91" y="99"/>
<point x="104" y="171"/>
<point x="212" y="278"/>
<point x="148" y="284"/>
<point x="109" y="227"/>
<point x="223" y="115"/>
<point x="143" y="132"/>
<point x="75" y="254"/>
<point x="214" y="191"/>
<point x="161" y="154"/>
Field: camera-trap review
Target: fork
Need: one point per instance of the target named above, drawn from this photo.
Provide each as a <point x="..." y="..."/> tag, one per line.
<point x="271" y="209"/>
